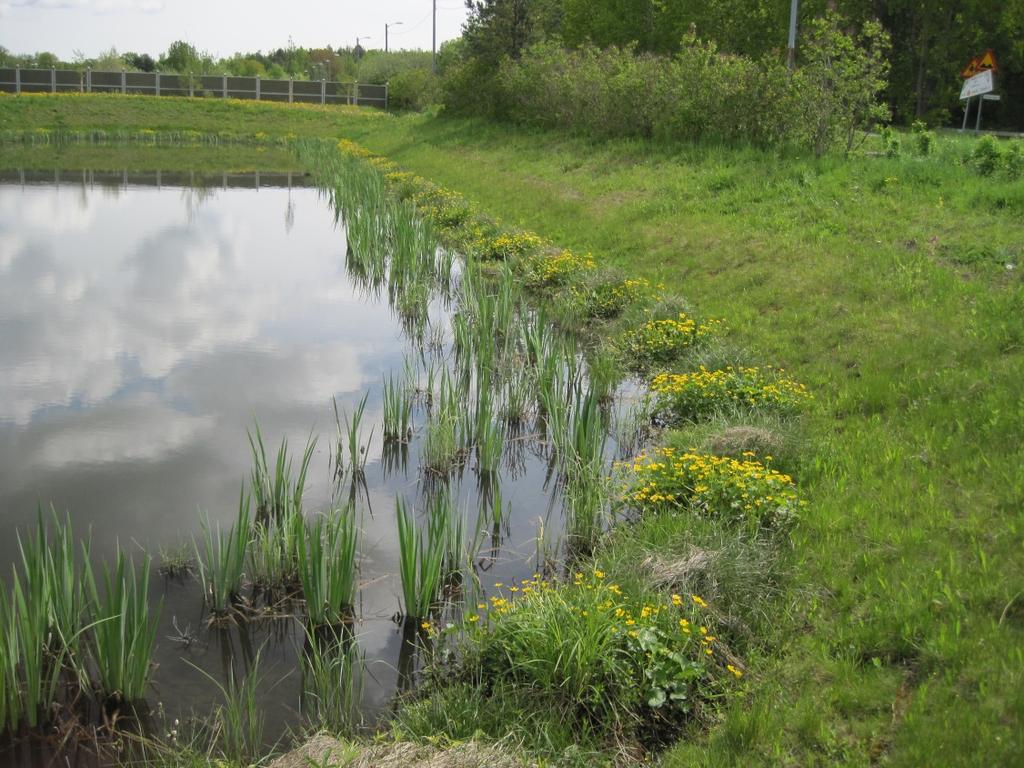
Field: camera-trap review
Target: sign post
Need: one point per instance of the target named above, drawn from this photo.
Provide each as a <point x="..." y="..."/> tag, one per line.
<point x="976" y="85"/>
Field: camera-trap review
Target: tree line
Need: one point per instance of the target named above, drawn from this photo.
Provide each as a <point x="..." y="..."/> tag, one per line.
<point x="931" y="40"/>
<point x="340" y="64"/>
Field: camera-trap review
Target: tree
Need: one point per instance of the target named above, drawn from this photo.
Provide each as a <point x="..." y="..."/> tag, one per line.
<point x="845" y="76"/>
<point x="140" y="61"/>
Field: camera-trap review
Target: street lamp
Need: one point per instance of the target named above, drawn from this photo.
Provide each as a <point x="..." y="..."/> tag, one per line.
<point x="358" y="51"/>
<point x="794" y="10"/>
<point x="392" y="24"/>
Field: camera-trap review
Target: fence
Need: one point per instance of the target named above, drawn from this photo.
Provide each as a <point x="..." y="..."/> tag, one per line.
<point x="18" y="80"/>
<point x="123" y="179"/>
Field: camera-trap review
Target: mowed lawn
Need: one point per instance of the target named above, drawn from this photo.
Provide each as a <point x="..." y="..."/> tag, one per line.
<point x="892" y="288"/>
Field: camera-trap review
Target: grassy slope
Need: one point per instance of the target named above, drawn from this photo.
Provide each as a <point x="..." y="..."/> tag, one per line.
<point x="881" y="284"/>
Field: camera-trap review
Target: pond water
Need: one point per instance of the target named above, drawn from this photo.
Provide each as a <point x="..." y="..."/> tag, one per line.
<point x="146" y="326"/>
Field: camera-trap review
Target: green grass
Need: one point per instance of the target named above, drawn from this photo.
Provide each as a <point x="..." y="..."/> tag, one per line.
<point x="880" y="283"/>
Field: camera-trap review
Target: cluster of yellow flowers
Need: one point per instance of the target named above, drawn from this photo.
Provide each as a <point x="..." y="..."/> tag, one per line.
<point x="506" y="245"/>
<point x="554" y="269"/>
<point x="610" y="299"/>
<point x="689" y="395"/>
<point x="661" y="341"/>
<point x="713" y="485"/>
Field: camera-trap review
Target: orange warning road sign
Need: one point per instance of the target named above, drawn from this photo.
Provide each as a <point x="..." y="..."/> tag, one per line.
<point x="987" y="61"/>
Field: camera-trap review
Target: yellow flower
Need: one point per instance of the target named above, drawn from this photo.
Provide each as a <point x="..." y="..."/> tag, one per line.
<point x="677" y="600"/>
<point x="736" y="672"/>
<point x="473" y="619"/>
<point x="698" y="601"/>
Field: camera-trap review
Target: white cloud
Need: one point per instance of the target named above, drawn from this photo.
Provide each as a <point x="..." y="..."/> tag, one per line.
<point x="98" y="6"/>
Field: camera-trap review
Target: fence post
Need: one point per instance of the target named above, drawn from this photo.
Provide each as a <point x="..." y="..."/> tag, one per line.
<point x="17" y="78"/>
<point x="290" y="90"/>
<point x="224" y="85"/>
<point x="385" y="97"/>
<point x="88" y="79"/>
<point x="323" y="91"/>
<point x="191" y="86"/>
<point x="124" y="82"/>
<point x="257" y="87"/>
<point x="53" y="79"/>
<point x="158" y="82"/>
<point x="355" y="91"/>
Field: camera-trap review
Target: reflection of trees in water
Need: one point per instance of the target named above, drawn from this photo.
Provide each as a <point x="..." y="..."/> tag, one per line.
<point x="289" y="213"/>
<point x="194" y="197"/>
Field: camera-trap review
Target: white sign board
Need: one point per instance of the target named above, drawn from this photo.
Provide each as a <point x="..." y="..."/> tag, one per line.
<point x="977" y="85"/>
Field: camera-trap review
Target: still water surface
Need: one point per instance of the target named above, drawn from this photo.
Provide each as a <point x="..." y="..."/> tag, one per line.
<point x="143" y="330"/>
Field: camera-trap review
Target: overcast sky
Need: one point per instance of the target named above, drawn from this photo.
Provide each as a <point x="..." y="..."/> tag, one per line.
<point x="219" y="26"/>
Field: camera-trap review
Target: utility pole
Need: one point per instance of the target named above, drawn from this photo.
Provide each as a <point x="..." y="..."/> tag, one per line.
<point x="433" y="43"/>
<point x="392" y="24"/>
<point x="794" y="10"/>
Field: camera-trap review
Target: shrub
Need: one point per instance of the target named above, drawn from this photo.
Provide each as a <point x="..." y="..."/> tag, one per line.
<point x="609" y="660"/>
<point x="742" y="490"/>
<point x="550" y="270"/>
<point x="662" y="341"/>
<point x="609" y="298"/>
<point x="414" y="89"/>
<point x="682" y="396"/>
<point x="506" y="245"/>
<point x="987" y="155"/>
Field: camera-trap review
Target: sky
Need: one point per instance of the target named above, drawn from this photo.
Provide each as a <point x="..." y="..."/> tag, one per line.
<point x="220" y="27"/>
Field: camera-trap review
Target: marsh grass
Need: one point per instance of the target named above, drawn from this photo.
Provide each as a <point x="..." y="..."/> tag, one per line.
<point x="238" y="724"/>
<point x="273" y="553"/>
<point x="350" y="445"/>
<point x="327" y="567"/>
<point x="332" y="682"/>
<point x="123" y="629"/>
<point x="274" y="491"/>
<point x="221" y="560"/>
<point x="421" y="558"/>
<point x="397" y="411"/>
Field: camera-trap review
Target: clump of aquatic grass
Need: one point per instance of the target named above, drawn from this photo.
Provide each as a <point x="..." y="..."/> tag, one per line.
<point x="31" y="674"/>
<point x="587" y="510"/>
<point x="518" y="396"/>
<point x="332" y="682"/>
<point x="350" y="443"/>
<point x="397" y="411"/>
<point x="273" y="551"/>
<point x="238" y="724"/>
<point x="421" y="560"/>
<point x="123" y="631"/>
<point x="221" y="561"/>
<point x="274" y="492"/>
<point x="177" y="561"/>
<point x="490" y="443"/>
<point x="327" y="567"/>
